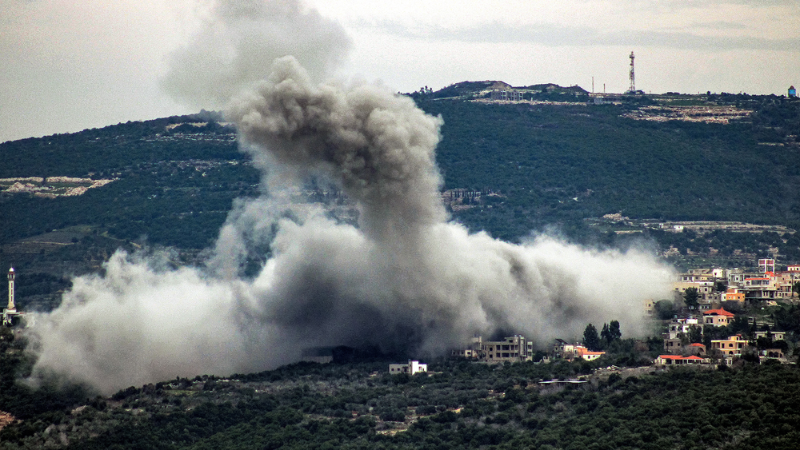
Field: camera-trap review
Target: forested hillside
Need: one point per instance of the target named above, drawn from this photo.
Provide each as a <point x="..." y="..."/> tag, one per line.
<point x="536" y="164"/>
<point x="560" y="164"/>
<point x="461" y="405"/>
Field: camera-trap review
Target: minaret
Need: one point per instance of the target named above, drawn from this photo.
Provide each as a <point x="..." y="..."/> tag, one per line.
<point x="11" y="306"/>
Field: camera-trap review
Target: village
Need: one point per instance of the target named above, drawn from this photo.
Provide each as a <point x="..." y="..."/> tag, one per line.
<point x="706" y="304"/>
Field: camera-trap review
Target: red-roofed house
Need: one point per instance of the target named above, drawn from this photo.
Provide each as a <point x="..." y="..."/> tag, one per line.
<point x="587" y="354"/>
<point x="674" y="360"/>
<point x="717" y="317"/>
<point x="697" y="349"/>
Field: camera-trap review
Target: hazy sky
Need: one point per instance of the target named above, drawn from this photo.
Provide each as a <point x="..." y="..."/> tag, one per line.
<point x="68" y="65"/>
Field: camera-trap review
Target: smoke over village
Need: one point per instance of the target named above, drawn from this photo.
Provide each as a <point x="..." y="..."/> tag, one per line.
<point x="404" y="278"/>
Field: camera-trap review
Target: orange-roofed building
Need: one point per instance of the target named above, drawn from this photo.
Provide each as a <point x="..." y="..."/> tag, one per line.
<point x="697" y="349"/>
<point x="675" y="360"/>
<point x="587" y="354"/>
<point x="717" y="317"/>
<point x="732" y="295"/>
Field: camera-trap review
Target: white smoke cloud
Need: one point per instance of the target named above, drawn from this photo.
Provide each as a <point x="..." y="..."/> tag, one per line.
<point x="405" y="278"/>
<point x="238" y="41"/>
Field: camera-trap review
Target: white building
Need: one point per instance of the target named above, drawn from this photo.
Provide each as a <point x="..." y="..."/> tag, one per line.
<point x="411" y="368"/>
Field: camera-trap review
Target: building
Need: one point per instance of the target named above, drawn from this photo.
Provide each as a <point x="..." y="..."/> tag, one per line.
<point x="697" y="349"/>
<point x="772" y="353"/>
<point x="507" y="95"/>
<point x="649" y="306"/>
<point x="513" y="348"/>
<point x="717" y="317"/>
<point x="792" y="91"/>
<point x="758" y="289"/>
<point x="766" y="265"/>
<point x="586" y="354"/>
<point x="732" y="295"/>
<point x="564" y="350"/>
<point x="472" y="351"/>
<point x="776" y="335"/>
<point x="676" y="360"/>
<point x="733" y="346"/>
<point x="681" y="327"/>
<point x="413" y="367"/>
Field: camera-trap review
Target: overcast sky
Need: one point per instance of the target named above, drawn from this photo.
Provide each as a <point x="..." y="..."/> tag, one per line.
<point x="66" y="65"/>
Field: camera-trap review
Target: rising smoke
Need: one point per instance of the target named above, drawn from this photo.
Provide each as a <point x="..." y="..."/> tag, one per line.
<point x="239" y="39"/>
<point x="404" y="278"/>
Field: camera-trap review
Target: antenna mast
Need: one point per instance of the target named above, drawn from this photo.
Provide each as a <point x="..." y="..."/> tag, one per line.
<point x="632" y="90"/>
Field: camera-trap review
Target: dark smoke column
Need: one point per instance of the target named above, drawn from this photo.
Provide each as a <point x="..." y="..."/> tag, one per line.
<point x="377" y="146"/>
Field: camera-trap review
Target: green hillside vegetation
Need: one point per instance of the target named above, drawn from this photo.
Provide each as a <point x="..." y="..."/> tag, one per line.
<point x="459" y="405"/>
<point x="546" y="166"/>
<point x="560" y="164"/>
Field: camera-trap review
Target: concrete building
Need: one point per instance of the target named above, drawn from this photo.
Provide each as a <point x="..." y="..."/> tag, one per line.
<point x="472" y="351"/>
<point x="733" y="346"/>
<point x="717" y="317"/>
<point x="776" y="335"/>
<point x="675" y="360"/>
<point x="586" y="354"/>
<point x="413" y="367"/>
<point x="732" y="295"/>
<point x="680" y="327"/>
<point x="766" y="265"/>
<point x="564" y="350"/>
<point x="759" y="289"/>
<point x="513" y="348"/>
<point x="507" y="95"/>
<point x="649" y="306"/>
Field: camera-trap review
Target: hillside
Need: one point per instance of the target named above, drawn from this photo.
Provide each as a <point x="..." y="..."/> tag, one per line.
<point x="509" y="168"/>
<point x="460" y="405"/>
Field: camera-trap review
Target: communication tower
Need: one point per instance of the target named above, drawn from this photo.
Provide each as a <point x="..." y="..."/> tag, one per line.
<point x="632" y="76"/>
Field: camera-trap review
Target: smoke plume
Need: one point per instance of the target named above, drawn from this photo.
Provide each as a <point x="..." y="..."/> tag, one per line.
<point x="404" y="278"/>
<point x="240" y="38"/>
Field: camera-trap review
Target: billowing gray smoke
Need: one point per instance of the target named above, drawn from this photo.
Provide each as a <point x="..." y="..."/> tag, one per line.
<point x="240" y="38"/>
<point x="403" y="279"/>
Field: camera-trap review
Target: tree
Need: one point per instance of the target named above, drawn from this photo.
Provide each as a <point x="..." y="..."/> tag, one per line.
<point x="665" y="309"/>
<point x="605" y="334"/>
<point x="720" y="286"/>
<point x="611" y="332"/>
<point x="695" y="334"/>
<point x="690" y="297"/>
<point x="616" y="333"/>
<point x="796" y="288"/>
<point x="590" y="338"/>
